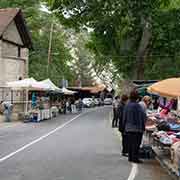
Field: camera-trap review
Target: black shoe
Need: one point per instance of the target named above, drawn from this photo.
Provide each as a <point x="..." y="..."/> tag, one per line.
<point x="137" y="161"/>
<point x="125" y="154"/>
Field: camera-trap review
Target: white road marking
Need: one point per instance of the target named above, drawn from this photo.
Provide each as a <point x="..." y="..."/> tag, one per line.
<point x="132" y="175"/>
<point x="37" y="140"/>
<point x="134" y="169"/>
<point x="134" y="172"/>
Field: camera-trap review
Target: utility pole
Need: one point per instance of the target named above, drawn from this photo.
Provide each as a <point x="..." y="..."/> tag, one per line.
<point x="50" y="48"/>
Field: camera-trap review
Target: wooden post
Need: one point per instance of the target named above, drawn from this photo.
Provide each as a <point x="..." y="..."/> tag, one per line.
<point x="27" y="100"/>
<point x="50" y="47"/>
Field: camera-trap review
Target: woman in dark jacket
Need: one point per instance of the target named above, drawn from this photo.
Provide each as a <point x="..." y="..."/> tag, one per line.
<point x="124" y="99"/>
<point x="134" y="125"/>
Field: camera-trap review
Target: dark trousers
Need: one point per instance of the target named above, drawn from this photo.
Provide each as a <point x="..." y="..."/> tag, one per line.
<point x="124" y="143"/>
<point x="115" y="118"/>
<point x="134" y="142"/>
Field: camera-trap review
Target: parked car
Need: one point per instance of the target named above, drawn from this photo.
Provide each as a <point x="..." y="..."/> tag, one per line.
<point x="97" y="101"/>
<point x="108" y="101"/>
<point x="88" y="102"/>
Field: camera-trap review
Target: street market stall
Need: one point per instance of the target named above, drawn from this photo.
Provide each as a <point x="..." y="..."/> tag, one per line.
<point x="38" y="108"/>
<point x="55" y="94"/>
<point x="42" y="99"/>
<point x="163" y="125"/>
<point x="27" y="85"/>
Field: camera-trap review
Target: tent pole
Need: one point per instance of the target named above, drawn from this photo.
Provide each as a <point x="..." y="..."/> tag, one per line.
<point x="26" y="103"/>
<point x="178" y="103"/>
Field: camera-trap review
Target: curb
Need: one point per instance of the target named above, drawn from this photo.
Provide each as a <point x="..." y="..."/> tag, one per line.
<point x="166" y="166"/>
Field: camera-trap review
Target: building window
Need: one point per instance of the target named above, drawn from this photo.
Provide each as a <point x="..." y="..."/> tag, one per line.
<point x="19" y="51"/>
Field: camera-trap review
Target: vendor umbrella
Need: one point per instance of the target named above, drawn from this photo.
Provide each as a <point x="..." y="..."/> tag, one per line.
<point x="167" y="88"/>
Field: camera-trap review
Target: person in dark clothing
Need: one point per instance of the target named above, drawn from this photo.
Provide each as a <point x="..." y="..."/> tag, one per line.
<point x="134" y="125"/>
<point x="115" y="111"/>
<point x="124" y="99"/>
<point x="64" y="106"/>
<point x="156" y="103"/>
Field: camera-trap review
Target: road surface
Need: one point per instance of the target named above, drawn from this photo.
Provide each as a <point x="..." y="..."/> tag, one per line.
<point x="70" y="147"/>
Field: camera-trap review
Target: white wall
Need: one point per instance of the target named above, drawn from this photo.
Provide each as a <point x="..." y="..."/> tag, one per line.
<point x="12" y="34"/>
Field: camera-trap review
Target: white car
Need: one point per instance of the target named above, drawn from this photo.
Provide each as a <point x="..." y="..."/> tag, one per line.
<point x="108" y="101"/>
<point x="88" y="102"/>
<point x="97" y="101"/>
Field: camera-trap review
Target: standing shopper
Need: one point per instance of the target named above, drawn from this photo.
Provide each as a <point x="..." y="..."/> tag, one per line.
<point x="134" y="119"/>
<point x="115" y="111"/>
<point x="124" y="99"/>
<point x="145" y="103"/>
<point x="64" y="106"/>
<point x="7" y="110"/>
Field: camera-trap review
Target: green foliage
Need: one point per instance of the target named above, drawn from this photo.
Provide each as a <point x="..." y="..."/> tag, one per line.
<point x="83" y="60"/>
<point x="39" y="23"/>
<point x="118" y="33"/>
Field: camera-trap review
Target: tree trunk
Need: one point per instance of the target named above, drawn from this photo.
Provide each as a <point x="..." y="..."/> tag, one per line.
<point x="143" y="50"/>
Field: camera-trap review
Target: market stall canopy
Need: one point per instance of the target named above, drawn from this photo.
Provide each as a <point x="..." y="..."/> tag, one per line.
<point x="29" y="83"/>
<point x="167" y="88"/>
<point x="98" y="88"/>
<point x="67" y="92"/>
<point x="51" y="85"/>
<point x="142" y="90"/>
<point x="92" y="89"/>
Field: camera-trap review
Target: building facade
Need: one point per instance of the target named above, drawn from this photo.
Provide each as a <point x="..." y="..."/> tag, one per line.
<point x="15" y="43"/>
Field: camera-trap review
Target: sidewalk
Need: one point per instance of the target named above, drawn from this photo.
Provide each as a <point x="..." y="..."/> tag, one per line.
<point x="9" y="124"/>
<point x="165" y="163"/>
<point x="4" y="124"/>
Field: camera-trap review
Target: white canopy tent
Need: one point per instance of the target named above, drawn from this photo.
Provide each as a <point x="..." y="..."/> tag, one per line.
<point x="67" y="92"/>
<point x="51" y="85"/>
<point x="30" y="84"/>
<point x="27" y="85"/>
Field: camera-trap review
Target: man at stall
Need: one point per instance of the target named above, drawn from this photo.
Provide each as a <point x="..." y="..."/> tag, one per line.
<point x="115" y="111"/>
<point x="123" y="102"/>
<point x="134" y="119"/>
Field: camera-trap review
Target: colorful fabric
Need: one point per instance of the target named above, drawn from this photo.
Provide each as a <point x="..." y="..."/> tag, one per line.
<point x="174" y="127"/>
<point x="166" y="140"/>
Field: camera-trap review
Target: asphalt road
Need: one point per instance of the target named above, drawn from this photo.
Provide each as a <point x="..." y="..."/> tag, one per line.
<point x="71" y="147"/>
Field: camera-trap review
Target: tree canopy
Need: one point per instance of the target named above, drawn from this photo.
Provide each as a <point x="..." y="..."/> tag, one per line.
<point x="140" y="37"/>
<point x="39" y="23"/>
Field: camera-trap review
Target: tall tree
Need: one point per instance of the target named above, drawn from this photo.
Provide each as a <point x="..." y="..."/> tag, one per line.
<point x="39" y="23"/>
<point x="125" y="32"/>
<point x="83" y="59"/>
